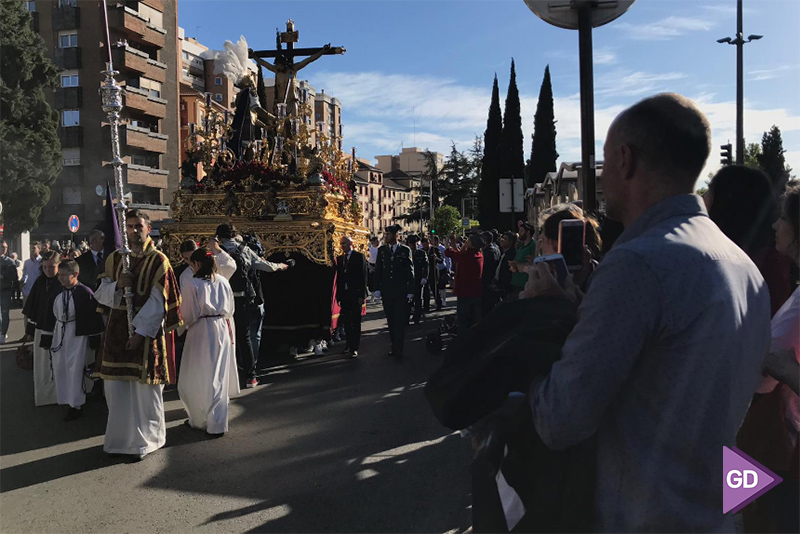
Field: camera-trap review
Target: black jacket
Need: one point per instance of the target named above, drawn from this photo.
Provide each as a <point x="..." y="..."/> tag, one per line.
<point x="35" y="309"/>
<point x="88" y="322"/>
<point x="516" y="343"/>
<point x="88" y="270"/>
<point x="394" y="272"/>
<point x="491" y="256"/>
<point x="351" y="276"/>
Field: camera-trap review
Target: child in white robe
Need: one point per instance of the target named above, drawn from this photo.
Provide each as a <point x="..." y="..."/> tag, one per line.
<point x="71" y="332"/>
<point x="208" y="375"/>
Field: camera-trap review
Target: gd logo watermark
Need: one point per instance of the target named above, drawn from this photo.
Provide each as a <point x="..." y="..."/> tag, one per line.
<point x="745" y="480"/>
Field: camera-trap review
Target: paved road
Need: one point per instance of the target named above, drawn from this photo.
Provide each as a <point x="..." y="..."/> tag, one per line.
<point x="325" y="445"/>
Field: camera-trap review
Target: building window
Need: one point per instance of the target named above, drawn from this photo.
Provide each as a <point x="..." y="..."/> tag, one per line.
<point x="218" y="97"/>
<point x="71" y="157"/>
<point x="69" y="79"/>
<point x="30" y="6"/>
<point x="154" y="16"/>
<point x="186" y="56"/>
<point x="68" y="39"/>
<point x="218" y="81"/>
<point x="71" y="195"/>
<point x="67" y="3"/>
<point x="145" y="161"/>
<point x="152" y="87"/>
<point x="70" y="117"/>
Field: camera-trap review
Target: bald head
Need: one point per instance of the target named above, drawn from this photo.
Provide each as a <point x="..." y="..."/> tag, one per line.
<point x="668" y="135"/>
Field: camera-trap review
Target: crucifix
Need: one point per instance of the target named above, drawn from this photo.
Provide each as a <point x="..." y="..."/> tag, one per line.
<point x="285" y="68"/>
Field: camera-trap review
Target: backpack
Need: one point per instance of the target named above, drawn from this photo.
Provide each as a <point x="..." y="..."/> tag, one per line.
<point x="241" y="280"/>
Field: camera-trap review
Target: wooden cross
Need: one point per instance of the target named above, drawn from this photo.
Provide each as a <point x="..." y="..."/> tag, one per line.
<point x="285" y="68"/>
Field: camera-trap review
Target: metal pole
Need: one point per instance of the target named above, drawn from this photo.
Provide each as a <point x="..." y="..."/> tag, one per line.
<point x="587" y="106"/>
<point x="739" y="86"/>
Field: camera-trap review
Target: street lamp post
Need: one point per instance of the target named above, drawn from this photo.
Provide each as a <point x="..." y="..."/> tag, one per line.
<point x="739" y="42"/>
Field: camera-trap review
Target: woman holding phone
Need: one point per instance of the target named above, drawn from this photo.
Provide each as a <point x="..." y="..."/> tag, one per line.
<point x="583" y="260"/>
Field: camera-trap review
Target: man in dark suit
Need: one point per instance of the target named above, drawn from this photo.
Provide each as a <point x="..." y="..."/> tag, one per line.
<point x="351" y="290"/>
<point x="394" y="278"/>
<point x="92" y="263"/>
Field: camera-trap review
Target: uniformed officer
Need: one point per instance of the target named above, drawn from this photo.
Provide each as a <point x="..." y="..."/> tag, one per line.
<point x="394" y="278"/>
<point x="420" y="259"/>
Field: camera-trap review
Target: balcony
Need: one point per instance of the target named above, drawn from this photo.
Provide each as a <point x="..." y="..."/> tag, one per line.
<point x="71" y="137"/>
<point x="140" y="62"/>
<point x="69" y="97"/>
<point x="134" y="136"/>
<point x="129" y="21"/>
<point x="68" y="58"/>
<point x="145" y="176"/>
<point x="139" y="100"/>
<point x="195" y="81"/>
<point x="66" y="18"/>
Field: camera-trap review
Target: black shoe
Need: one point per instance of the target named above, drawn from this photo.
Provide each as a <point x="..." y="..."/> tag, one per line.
<point x="398" y="355"/>
<point x="214" y="436"/>
<point x="73" y="413"/>
<point x="354" y="355"/>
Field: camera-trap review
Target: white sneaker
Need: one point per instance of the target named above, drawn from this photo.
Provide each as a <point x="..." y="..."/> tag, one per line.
<point x="324" y="344"/>
<point x="311" y="346"/>
<point x="318" y="350"/>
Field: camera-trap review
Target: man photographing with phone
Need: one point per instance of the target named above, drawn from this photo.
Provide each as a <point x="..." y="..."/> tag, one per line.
<point x="672" y="333"/>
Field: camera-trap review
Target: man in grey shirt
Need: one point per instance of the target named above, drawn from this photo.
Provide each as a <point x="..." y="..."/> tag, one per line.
<point x="670" y="340"/>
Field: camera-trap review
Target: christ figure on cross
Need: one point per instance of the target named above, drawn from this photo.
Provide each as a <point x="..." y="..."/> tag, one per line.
<point x="285" y="68"/>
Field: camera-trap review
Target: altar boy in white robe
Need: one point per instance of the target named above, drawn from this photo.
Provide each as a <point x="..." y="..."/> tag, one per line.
<point x="208" y="372"/>
<point x="71" y="332"/>
<point x="35" y="311"/>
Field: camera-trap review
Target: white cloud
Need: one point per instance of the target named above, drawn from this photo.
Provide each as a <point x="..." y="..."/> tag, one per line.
<point x="664" y="29"/>
<point x="769" y="74"/>
<point x="624" y="83"/>
<point x="604" y="56"/>
<point x="381" y="112"/>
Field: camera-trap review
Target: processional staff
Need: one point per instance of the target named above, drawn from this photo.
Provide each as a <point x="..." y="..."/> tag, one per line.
<point x="111" y="94"/>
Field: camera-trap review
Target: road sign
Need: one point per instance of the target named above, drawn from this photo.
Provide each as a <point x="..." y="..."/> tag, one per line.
<point x="74" y="223"/>
<point x="465" y="222"/>
<point x="512" y="195"/>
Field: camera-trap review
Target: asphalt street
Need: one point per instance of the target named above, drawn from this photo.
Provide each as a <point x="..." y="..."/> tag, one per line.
<point x="326" y="444"/>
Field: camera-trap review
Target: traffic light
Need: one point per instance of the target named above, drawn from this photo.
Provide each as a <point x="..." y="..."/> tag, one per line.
<point x="727" y="157"/>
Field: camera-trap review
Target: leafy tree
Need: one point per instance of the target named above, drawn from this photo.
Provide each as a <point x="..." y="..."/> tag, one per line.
<point x="446" y="220"/>
<point x="543" y="149"/>
<point x="261" y="90"/>
<point x="752" y="151"/>
<point x="512" y="155"/>
<point x="772" y="159"/>
<point x="489" y="185"/>
<point x="30" y="159"/>
<point x="433" y="186"/>
<point x="458" y="180"/>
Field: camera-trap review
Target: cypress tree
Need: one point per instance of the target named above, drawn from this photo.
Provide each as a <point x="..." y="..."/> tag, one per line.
<point x="543" y="149"/>
<point x="512" y="153"/>
<point x="772" y="159"/>
<point x="261" y="89"/>
<point x="30" y="159"/>
<point x="488" y="186"/>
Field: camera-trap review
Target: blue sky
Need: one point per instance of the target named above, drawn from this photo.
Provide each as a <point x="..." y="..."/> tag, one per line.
<point x="427" y="66"/>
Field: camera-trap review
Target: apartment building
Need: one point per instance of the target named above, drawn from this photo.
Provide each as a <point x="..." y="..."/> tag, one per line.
<point x="410" y="160"/>
<point x="143" y="38"/>
<point x="383" y="199"/>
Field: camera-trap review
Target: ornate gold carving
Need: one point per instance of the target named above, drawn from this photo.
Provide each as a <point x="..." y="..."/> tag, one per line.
<point x="320" y="218"/>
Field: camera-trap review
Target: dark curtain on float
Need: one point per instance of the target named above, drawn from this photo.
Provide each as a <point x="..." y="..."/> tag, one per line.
<point x="297" y="304"/>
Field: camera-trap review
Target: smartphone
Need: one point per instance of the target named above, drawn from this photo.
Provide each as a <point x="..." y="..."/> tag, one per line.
<point x="571" y="240"/>
<point x="556" y="263"/>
